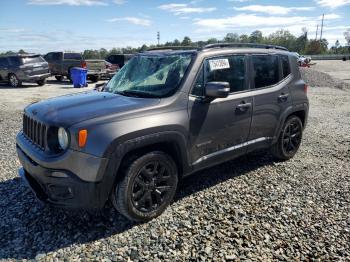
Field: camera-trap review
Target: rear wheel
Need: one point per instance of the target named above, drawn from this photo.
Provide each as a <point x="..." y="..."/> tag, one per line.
<point x="59" y="78"/>
<point x="14" y="81"/>
<point x="148" y="187"/>
<point x="94" y="79"/>
<point x="41" y="82"/>
<point x="289" y="140"/>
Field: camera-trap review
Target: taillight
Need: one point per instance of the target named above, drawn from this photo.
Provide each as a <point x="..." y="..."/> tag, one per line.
<point x="305" y="88"/>
<point x="83" y="64"/>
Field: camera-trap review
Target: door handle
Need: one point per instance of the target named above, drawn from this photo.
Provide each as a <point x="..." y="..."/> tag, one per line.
<point x="283" y="97"/>
<point x="244" y="106"/>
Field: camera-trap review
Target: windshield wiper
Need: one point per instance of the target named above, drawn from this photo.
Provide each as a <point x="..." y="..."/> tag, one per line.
<point x="134" y="93"/>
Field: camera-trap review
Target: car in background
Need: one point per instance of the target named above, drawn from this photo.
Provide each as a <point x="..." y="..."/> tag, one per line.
<point x="96" y="69"/>
<point x="119" y="60"/>
<point x="61" y="63"/>
<point x="19" y="68"/>
<point x="110" y="70"/>
<point x="303" y="60"/>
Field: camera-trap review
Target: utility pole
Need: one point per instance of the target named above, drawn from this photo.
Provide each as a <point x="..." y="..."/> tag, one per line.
<point x="316" y="33"/>
<point x="158" y="37"/>
<point x="322" y="27"/>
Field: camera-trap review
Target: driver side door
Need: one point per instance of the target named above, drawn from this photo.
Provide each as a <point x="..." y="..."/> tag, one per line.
<point x="219" y="129"/>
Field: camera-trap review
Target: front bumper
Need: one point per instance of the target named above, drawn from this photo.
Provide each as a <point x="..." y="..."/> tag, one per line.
<point x="53" y="182"/>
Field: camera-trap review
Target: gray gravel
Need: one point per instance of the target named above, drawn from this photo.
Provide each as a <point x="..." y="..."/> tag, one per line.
<point x="251" y="208"/>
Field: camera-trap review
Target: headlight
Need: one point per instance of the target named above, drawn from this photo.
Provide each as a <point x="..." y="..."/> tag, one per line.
<point x="63" y="138"/>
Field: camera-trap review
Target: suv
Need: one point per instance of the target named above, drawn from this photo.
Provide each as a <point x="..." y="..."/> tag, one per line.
<point x="16" y="69"/>
<point x="167" y="114"/>
<point x="61" y="63"/>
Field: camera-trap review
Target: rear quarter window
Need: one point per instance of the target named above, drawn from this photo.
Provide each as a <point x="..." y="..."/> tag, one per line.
<point x="266" y="70"/>
<point x="285" y="65"/>
<point x="3" y="61"/>
<point x="73" y="56"/>
<point x="33" y="60"/>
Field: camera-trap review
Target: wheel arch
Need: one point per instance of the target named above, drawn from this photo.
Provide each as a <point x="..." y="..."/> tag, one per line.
<point x="120" y="151"/>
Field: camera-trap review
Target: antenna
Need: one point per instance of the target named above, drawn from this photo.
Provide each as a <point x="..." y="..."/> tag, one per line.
<point x="322" y="27"/>
<point x="158" y="37"/>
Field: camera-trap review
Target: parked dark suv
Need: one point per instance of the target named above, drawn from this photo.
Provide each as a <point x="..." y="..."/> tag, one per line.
<point x="164" y="115"/>
<point x="16" y="69"/>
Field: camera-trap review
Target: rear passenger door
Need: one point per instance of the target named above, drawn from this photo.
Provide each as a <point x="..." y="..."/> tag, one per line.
<point x="3" y="68"/>
<point x="270" y="77"/>
<point x="220" y="128"/>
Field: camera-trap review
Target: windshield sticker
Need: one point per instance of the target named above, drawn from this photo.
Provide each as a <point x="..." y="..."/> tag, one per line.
<point x="218" y="64"/>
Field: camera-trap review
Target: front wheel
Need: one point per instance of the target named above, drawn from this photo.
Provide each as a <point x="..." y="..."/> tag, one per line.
<point x="289" y="140"/>
<point x="148" y="187"/>
<point x="41" y="82"/>
<point x="59" y="78"/>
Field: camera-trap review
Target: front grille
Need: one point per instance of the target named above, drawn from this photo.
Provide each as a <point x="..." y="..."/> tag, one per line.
<point x="34" y="131"/>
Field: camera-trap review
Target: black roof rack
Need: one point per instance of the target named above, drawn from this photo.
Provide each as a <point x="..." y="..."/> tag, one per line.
<point x="249" y="45"/>
<point x="164" y="48"/>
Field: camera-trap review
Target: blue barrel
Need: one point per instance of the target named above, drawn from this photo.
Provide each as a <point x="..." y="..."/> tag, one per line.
<point x="79" y="77"/>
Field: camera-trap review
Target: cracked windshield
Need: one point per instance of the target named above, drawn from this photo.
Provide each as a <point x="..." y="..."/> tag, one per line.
<point x="150" y="75"/>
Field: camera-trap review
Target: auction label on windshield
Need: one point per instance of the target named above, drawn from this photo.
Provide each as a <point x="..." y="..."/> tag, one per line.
<point x="218" y="64"/>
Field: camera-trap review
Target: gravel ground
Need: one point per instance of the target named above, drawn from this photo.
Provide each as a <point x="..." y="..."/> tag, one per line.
<point x="251" y="208"/>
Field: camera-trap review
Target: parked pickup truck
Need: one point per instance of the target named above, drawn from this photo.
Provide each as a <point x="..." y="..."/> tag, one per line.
<point x="61" y="63"/>
<point x="96" y="69"/>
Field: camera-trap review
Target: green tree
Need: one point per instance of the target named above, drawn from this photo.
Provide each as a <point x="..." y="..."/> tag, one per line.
<point x="186" y="41"/>
<point x="256" y="37"/>
<point x="231" y="38"/>
<point x="212" y="41"/>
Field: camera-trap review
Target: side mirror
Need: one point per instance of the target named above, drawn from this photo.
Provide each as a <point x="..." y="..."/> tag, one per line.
<point x="217" y="89"/>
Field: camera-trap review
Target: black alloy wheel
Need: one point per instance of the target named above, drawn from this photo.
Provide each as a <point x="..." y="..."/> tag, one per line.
<point x="151" y="186"/>
<point x="292" y="137"/>
<point x="148" y="186"/>
<point x="289" y="140"/>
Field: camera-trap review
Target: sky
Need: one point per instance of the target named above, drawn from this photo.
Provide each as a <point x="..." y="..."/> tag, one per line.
<point x="50" y="25"/>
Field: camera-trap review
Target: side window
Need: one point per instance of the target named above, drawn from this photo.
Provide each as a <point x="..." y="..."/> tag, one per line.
<point x="14" y="61"/>
<point x="227" y="69"/>
<point x="285" y="65"/>
<point x="266" y="70"/>
<point x="56" y="56"/>
<point x="198" y="88"/>
<point x="3" y="62"/>
<point x="48" y="57"/>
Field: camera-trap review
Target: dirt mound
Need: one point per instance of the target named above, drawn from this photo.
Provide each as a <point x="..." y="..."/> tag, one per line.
<point x="316" y="78"/>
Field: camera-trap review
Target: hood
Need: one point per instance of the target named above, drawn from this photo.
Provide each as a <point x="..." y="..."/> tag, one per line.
<point x="71" y="109"/>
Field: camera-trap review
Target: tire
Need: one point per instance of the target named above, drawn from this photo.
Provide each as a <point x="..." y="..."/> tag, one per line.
<point x="289" y="139"/>
<point x="59" y="78"/>
<point x="94" y="79"/>
<point x="41" y="82"/>
<point x="14" y="81"/>
<point x="147" y="188"/>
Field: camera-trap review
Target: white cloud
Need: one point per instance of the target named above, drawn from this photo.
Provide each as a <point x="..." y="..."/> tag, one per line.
<point x="119" y="2"/>
<point x="247" y="20"/>
<point x="272" y="9"/>
<point x="181" y="9"/>
<point x="132" y="20"/>
<point x="67" y="2"/>
<point x="238" y="1"/>
<point x="254" y="21"/>
<point x="332" y="3"/>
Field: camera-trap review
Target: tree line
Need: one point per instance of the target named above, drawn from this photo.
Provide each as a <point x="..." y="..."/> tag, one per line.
<point x="301" y="44"/>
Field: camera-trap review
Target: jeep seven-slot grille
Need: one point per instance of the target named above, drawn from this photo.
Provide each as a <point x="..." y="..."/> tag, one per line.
<point x="34" y="131"/>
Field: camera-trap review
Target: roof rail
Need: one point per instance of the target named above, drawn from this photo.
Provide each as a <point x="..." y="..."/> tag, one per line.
<point x="172" y="48"/>
<point x="250" y="45"/>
